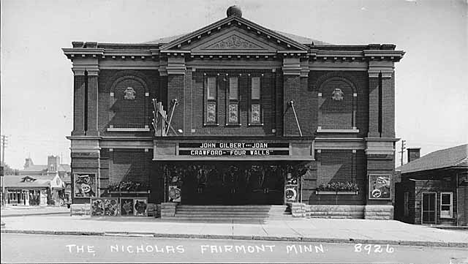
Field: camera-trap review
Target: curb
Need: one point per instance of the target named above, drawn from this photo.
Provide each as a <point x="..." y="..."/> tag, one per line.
<point x="237" y="237"/>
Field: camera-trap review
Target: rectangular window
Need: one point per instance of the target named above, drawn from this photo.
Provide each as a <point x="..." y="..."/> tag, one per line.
<point x="446" y="205"/>
<point x="255" y="88"/>
<point x="233" y="88"/>
<point x="233" y="101"/>
<point x="211" y="88"/>
<point x="211" y="101"/>
<point x="255" y="117"/>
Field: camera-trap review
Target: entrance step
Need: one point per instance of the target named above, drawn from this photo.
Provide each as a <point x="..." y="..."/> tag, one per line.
<point x="236" y="213"/>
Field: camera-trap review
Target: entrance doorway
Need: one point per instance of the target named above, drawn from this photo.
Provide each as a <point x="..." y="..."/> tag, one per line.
<point x="429" y="208"/>
<point x="229" y="183"/>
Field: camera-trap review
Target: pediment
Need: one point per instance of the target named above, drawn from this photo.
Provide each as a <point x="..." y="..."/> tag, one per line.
<point x="236" y="35"/>
<point x="233" y="41"/>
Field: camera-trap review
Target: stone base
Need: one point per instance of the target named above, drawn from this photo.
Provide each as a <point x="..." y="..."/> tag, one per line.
<point x="154" y="210"/>
<point x="328" y="211"/>
<point x="80" y="209"/>
<point x="378" y="212"/>
<point x="168" y="210"/>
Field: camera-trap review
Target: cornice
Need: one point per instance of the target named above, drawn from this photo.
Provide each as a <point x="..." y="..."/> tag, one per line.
<point x="82" y="52"/>
<point x="392" y="55"/>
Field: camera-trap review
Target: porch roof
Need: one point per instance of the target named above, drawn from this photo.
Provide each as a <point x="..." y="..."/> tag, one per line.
<point x="456" y="157"/>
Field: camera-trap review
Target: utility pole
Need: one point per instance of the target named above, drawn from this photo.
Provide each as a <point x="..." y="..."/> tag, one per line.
<point x="403" y="147"/>
<point x="4" y="138"/>
<point x="2" y="169"/>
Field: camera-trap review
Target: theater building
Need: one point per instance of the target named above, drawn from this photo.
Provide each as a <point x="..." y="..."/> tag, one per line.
<point x="236" y="114"/>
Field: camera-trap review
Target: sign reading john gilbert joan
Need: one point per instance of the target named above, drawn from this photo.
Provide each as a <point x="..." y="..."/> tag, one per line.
<point x="233" y="149"/>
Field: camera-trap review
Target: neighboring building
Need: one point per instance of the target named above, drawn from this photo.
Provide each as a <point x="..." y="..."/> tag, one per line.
<point x="34" y="190"/>
<point x="242" y="115"/>
<point x="52" y="182"/>
<point x="434" y="188"/>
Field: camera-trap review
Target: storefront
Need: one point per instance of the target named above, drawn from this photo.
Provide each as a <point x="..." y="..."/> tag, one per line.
<point x="234" y="114"/>
<point x="433" y="189"/>
<point x="232" y="172"/>
<point x="33" y="191"/>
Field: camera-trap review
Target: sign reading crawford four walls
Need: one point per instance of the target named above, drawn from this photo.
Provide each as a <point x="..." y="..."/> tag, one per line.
<point x="233" y="149"/>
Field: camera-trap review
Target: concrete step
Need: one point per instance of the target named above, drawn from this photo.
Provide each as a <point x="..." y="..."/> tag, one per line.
<point x="216" y="213"/>
<point x="227" y="215"/>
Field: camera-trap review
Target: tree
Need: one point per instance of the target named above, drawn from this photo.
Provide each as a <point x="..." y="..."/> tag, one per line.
<point x="7" y="170"/>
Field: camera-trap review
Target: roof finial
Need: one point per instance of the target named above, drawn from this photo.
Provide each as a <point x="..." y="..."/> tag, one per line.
<point x="234" y="11"/>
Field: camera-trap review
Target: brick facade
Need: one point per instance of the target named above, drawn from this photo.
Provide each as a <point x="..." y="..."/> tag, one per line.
<point x="332" y="105"/>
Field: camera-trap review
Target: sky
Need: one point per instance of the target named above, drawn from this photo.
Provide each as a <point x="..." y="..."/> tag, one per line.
<point x="37" y="81"/>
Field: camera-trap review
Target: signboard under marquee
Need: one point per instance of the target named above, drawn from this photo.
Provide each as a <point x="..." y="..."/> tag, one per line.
<point x="233" y="149"/>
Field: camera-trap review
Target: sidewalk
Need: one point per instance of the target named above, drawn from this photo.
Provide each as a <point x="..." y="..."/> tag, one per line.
<point x="10" y="211"/>
<point x="306" y="230"/>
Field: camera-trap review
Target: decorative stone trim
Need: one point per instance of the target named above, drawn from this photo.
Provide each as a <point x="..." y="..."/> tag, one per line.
<point x="341" y="131"/>
<point x="128" y="129"/>
<point x="336" y="193"/>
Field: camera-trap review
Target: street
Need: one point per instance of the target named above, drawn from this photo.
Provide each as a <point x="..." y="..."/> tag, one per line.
<point x="25" y="248"/>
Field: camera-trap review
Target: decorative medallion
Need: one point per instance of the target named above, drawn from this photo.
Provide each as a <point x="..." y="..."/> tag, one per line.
<point x="234" y="42"/>
<point x="129" y="94"/>
<point x="337" y="95"/>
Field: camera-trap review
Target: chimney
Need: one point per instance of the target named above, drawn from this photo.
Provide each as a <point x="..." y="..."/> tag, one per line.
<point x="413" y="154"/>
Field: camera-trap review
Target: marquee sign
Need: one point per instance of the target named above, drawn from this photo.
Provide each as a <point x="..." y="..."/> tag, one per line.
<point x="233" y="149"/>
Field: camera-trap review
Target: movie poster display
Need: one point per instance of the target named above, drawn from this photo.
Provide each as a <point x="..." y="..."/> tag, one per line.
<point x="107" y="206"/>
<point x="140" y="206"/>
<point x="379" y="187"/>
<point x="291" y="194"/>
<point x="126" y="206"/>
<point x="97" y="207"/>
<point x="85" y="185"/>
<point x="174" y="194"/>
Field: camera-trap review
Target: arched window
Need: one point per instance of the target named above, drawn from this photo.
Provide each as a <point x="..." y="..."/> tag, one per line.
<point x="129" y="103"/>
<point x="337" y="104"/>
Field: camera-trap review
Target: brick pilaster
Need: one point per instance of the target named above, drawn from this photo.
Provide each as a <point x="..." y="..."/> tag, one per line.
<point x="388" y="107"/>
<point x="374" y="84"/>
<point x="175" y="91"/>
<point x="78" y="102"/>
<point x="92" y="103"/>
<point x="291" y="88"/>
